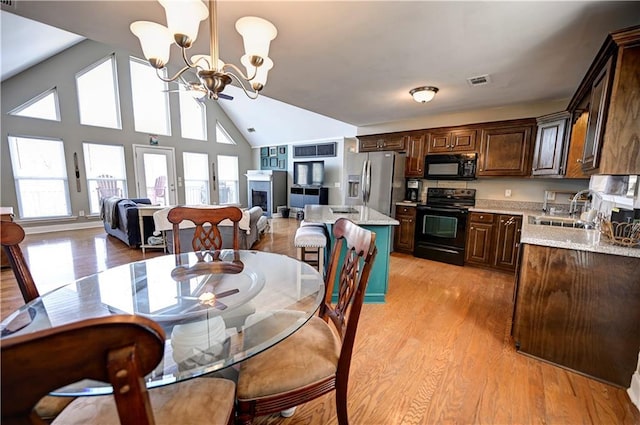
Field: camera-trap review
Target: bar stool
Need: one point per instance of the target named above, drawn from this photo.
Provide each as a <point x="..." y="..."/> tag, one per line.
<point x="311" y="240"/>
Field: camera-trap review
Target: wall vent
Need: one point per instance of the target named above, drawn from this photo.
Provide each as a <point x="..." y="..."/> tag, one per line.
<point x="313" y="151"/>
<point x="480" y="80"/>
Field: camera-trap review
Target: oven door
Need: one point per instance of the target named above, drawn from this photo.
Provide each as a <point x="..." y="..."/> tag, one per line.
<point x="441" y="234"/>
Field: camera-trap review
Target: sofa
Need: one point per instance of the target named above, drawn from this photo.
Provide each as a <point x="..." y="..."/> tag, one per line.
<point x="251" y="227"/>
<point x="120" y="219"/>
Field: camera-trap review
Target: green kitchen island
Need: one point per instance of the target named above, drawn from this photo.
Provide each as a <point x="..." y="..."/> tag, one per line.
<point x="369" y="219"/>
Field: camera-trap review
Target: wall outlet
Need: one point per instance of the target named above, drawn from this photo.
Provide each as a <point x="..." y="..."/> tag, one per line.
<point x="507" y="193"/>
<point x="551" y="196"/>
<point x="336" y="184"/>
<point x="81" y="213"/>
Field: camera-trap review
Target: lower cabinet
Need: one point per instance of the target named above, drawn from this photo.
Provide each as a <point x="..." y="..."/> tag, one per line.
<point x="493" y="240"/>
<point x="405" y="232"/>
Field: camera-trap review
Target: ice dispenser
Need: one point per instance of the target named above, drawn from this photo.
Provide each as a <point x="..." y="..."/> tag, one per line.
<point x="353" y="186"/>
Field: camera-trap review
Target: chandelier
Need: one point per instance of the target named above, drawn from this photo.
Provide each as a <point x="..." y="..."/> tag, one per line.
<point x="183" y="20"/>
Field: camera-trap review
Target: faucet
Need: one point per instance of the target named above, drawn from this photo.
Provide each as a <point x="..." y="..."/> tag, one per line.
<point x="573" y="206"/>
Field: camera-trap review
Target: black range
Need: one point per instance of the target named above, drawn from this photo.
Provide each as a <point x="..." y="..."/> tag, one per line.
<point x="441" y="224"/>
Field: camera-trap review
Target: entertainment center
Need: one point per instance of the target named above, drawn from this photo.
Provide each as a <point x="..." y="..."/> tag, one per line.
<point x="308" y="177"/>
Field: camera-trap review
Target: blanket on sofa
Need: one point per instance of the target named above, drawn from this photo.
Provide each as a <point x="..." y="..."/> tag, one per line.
<point x="162" y="223"/>
<point x="109" y="210"/>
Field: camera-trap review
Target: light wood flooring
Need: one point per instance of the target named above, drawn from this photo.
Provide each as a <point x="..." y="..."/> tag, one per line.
<point x="438" y="352"/>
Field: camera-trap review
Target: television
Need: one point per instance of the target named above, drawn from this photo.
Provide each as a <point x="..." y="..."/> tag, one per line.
<point x="308" y="173"/>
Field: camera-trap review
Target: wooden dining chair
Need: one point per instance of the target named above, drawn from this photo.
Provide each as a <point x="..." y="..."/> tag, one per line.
<point x="206" y="235"/>
<point x="315" y="359"/>
<point x="118" y="349"/>
<point x="11" y="236"/>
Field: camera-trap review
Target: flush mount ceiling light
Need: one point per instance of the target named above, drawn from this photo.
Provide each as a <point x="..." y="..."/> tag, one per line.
<point x="183" y="20"/>
<point x="423" y="94"/>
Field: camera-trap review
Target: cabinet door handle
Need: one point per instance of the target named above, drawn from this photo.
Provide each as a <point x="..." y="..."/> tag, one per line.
<point x="579" y="160"/>
<point x="471" y="228"/>
<point x="481" y="216"/>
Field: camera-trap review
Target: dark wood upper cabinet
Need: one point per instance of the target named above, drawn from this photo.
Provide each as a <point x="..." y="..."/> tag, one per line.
<point x="505" y="149"/>
<point x="383" y="142"/>
<point x="550" y="149"/>
<point x="452" y="140"/>
<point x="607" y="98"/>
<point x="415" y="155"/>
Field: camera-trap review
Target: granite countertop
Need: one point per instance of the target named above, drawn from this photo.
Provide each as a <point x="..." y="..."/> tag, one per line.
<point x="359" y="214"/>
<point x="560" y="237"/>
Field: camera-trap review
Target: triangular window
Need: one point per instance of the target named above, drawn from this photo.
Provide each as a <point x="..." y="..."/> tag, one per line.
<point x="44" y="106"/>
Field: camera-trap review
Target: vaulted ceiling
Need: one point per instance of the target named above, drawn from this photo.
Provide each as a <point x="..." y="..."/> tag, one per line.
<point x="352" y="63"/>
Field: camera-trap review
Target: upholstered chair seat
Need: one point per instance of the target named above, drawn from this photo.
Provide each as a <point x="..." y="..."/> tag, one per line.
<point x="309" y="355"/>
<point x="197" y="401"/>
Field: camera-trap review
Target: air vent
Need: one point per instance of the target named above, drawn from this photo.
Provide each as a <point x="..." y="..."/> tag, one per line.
<point x="313" y="151"/>
<point x="480" y="80"/>
<point x="251" y="130"/>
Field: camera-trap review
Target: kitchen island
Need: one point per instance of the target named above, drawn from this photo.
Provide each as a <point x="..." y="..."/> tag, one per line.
<point x="372" y="220"/>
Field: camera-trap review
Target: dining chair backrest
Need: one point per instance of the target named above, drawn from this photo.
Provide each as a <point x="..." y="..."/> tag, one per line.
<point x="12" y="235"/>
<point x="351" y="271"/>
<point x="206" y="234"/>
<point x="119" y="349"/>
<point x="108" y="186"/>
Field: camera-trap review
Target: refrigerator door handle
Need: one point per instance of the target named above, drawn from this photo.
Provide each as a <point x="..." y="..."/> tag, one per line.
<point x="366" y="181"/>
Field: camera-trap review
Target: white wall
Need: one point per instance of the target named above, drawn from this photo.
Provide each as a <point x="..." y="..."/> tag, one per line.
<point x="59" y="71"/>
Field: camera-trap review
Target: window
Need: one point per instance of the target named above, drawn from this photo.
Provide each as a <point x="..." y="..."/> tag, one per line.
<point x="150" y="99"/>
<point x="228" y="179"/>
<point x="193" y="123"/>
<point x="196" y="178"/>
<point x="106" y="173"/>
<point x="98" y="94"/>
<point x="222" y="136"/>
<point x="44" y="106"/>
<point x="40" y="175"/>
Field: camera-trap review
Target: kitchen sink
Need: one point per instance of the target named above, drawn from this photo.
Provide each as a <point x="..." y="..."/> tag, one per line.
<point x="546" y="220"/>
<point x="344" y="210"/>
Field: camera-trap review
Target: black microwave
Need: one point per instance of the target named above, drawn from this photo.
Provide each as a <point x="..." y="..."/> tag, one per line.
<point x="460" y="166"/>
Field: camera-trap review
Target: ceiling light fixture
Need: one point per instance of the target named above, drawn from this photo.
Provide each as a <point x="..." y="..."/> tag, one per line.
<point x="423" y="94"/>
<point x="183" y="20"/>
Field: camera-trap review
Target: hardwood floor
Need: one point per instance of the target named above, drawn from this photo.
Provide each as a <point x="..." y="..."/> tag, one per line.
<point x="439" y="350"/>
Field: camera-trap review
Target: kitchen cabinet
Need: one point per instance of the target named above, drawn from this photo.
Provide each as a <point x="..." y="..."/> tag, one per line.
<point x="505" y="148"/>
<point x="405" y="232"/>
<point x="415" y="155"/>
<point x="573" y="168"/>
<point x="452" y="140"/>
<point x="383" y="142"/>
<point x="608" y="95"/>
<point x="508" y="228"/>
<point x="579" y="310"/>
<point x="479" y="239"/>
<point x="551" y="147"/>
<point x="493" y="240"/>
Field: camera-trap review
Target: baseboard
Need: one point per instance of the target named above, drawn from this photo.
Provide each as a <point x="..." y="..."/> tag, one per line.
<point x="62" y="227"/>
<point x="634" y="389"/>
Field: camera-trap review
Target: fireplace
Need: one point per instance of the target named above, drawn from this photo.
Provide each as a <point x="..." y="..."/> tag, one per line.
<point x="267" y="189"/>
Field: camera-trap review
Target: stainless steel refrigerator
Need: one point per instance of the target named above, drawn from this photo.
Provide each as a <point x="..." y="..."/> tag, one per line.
<point x="378" y="174"/>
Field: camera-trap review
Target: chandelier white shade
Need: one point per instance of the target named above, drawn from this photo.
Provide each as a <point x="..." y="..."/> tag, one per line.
<point x="183" y="20"/>
<point x="423" y="94"/>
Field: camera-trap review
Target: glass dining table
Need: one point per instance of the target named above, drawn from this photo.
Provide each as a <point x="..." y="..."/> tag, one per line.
<point x="216" y="308"/>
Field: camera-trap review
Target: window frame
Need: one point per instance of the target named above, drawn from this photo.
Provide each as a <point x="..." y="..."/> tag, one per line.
<point x="184" y="97"/>
<point x="225" y="133"/>
<point x="207" y="182"/>
<point x="54" y="90"/>
<point x="17" y="180"/>
<point x="89" y="180"/>
<point x="116" y="90"/>
<point x="138" y="61"/>
<point x="237" y="181"/>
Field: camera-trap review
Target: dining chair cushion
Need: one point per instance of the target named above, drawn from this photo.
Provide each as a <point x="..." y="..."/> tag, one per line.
<point x="309" y="355"/>
<point x="196" y="401"/>
<point x="50" y="406"/>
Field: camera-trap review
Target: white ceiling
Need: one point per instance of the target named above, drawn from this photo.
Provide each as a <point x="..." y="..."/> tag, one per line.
<point x="352" y="63"/>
